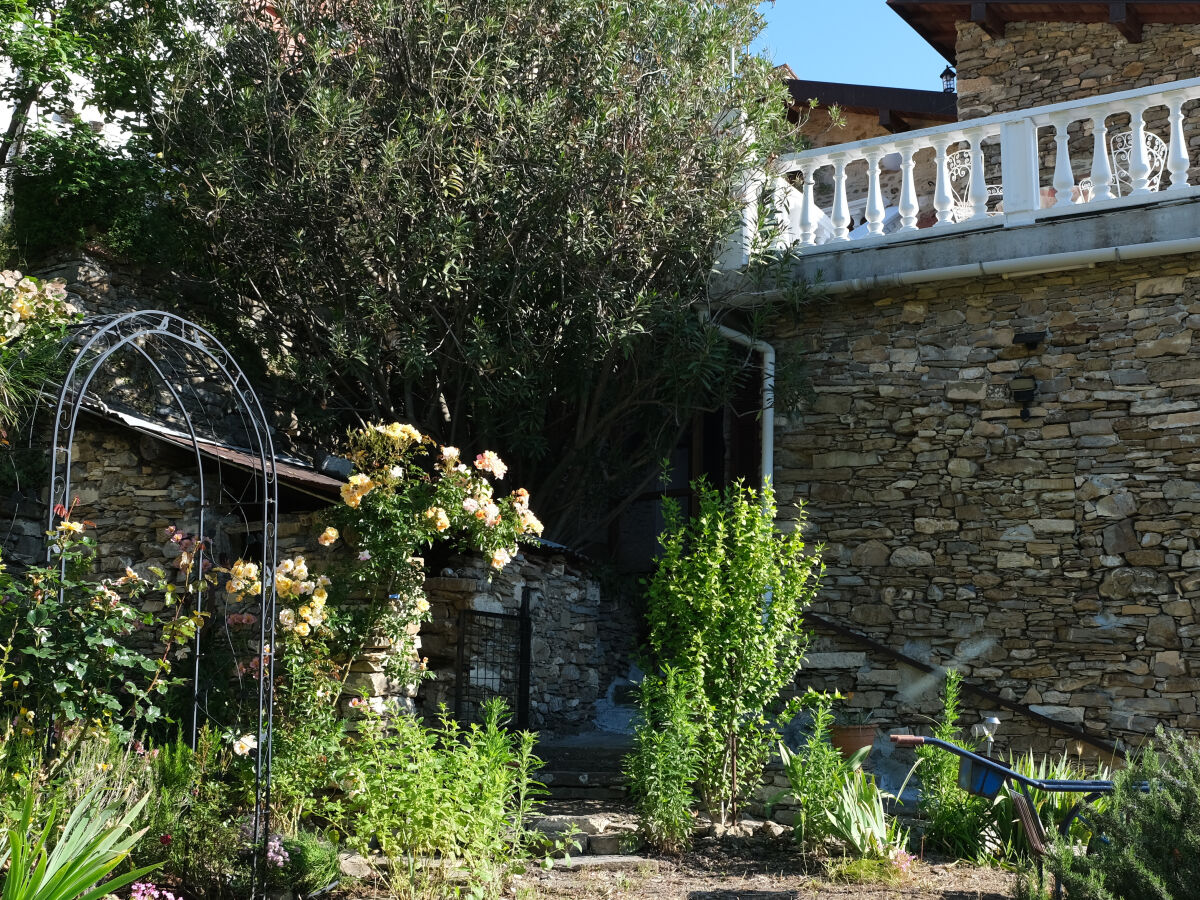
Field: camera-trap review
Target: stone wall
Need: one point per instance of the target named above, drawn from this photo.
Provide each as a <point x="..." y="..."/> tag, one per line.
<point x="1036" y="63"/>
<point x="583" y="634"/>
<point x="1053" y="559"/>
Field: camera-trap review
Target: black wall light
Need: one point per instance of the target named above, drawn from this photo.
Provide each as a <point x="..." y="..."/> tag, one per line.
<point x="1023" y="389"/>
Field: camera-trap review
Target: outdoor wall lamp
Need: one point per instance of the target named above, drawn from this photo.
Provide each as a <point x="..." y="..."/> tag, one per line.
<point x="948" y="77"/>
<point x="1023" y="389"/>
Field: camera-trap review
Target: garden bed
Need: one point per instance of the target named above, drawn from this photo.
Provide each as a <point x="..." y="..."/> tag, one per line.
<point x="725" y="870"/>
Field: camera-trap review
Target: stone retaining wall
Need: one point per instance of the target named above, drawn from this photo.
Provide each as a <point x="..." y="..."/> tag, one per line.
<point x="1052" y="559"/>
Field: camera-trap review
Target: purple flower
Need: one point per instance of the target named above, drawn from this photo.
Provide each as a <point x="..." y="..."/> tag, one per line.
<point x="276" y="855"/>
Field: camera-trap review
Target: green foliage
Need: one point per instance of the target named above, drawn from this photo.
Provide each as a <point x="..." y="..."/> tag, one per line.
<point x="955" y="822"/>
<point x="64" y="650"/>
<point x="45" y="863"/>
<point x="69" y="187"/>
<point x="1051" y="807"/>
<point x="461" y="794"/>
<point x="724" y="608"/>
<point x="33" y="319"/>
<point x="312" y="862"/>
<point x="1149" y="843"/>
<point x="864" y="870"/>
<point x="816" y="772"/>
<point x="68" y="182"/>
<point x="856" y="818"/>
<point x="664" y="764"/>
<point x="493" y="219"/>
<point x="194" y="817"/>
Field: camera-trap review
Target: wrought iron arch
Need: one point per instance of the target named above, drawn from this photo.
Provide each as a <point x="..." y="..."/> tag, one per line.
<point x="171" y="346"/>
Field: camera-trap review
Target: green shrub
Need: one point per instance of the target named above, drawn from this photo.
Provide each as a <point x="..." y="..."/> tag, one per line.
<point x="956" y="822"/>
<point x="1149" y="842"/>
<point x="724" y="607"/>
<point x="816" y="772"/>
<point x="460" y="794"/>
<point x="312" y="862"/>
<point x="663" y="766"/>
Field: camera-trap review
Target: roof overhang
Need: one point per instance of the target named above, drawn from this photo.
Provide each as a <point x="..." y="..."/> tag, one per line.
<point x="894" y="106"/>
<point x="936" y="20"/>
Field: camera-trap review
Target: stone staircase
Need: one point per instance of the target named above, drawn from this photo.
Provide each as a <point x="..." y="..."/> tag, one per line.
<point x="585" y="767"/>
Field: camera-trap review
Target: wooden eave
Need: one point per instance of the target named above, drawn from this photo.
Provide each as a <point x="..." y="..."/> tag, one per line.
<point x="894" y="106"/>
<point x="936" y="20"/>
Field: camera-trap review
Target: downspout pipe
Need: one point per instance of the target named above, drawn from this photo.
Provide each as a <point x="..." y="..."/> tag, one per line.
<point x="767" y="439"/>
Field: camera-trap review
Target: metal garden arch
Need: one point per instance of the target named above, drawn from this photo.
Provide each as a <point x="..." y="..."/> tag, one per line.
<point x="173" y="347"/>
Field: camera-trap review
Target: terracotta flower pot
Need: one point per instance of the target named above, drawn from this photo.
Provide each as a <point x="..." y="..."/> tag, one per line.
<point x="851" y="738"/>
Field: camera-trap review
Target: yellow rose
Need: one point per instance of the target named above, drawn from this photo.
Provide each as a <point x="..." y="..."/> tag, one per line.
<point x="328" y="537"/>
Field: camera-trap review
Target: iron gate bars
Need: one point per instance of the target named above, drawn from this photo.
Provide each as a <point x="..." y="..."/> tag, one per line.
<point x="502" y="643"/>
<point x="151" y="335"/>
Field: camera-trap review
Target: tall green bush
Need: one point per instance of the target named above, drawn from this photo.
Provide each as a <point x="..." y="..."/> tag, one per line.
<point x="956" y="822"/>
<point x="663" y="766"/>
<point x="724" y="607"/>
<point x="1149" y="842"/>
<point x="816" y="772"/>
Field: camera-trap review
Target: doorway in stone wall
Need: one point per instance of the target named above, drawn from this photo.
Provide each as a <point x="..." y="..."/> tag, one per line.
<point x="493" y="661"/>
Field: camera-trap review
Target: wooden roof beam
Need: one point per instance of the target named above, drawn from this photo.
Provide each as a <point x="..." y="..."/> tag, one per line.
<point x="893" y="121"/>
<point x="986" y="16"/>
<point x="1126" y="20"/>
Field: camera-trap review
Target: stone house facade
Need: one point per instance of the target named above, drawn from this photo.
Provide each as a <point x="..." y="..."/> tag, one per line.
<point x="1000" y="454"/>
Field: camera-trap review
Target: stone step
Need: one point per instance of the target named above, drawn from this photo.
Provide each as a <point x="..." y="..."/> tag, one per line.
<point x="581" y="778"/>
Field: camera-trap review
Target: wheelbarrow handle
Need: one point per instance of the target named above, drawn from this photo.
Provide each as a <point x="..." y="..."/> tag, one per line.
<point x="907" y="740"/>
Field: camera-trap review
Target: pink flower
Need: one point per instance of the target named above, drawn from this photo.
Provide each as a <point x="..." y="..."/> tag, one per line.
<point x="487" y="461"/>
<point x="364" y="555"/>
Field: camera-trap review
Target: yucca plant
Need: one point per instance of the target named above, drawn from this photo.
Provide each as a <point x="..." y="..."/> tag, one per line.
<point x="93" y="842"/>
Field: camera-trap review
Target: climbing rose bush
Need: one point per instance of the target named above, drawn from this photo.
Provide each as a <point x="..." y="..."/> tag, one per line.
<point x="27" y="304"/>
<point x="408" y="492"/>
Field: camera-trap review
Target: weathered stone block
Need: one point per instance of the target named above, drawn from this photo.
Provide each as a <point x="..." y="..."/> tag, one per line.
<point x="905" y="557"/>
<point x="870" y="553"/>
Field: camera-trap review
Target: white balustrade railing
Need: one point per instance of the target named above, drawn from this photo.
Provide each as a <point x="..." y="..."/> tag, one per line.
<point x="938" y="177"/>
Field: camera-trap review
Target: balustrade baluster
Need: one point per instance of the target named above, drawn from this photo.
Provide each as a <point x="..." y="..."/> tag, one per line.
<point x="1064" y="177"/>
<point x="943" y="197"/>
<point x="841" y="208"/>
<point x="1139" y="161"/>
<point x="908" y="190"/>
<point x="1177" y="160"/>
<point x="808" y="211"/>
<point x="875" y="208"/>
<point x="977" y="196"/>
<point x="1101" y="168"/>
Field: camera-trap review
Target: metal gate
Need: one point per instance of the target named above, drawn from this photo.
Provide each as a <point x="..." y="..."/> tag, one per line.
<point x="493" y="661"/>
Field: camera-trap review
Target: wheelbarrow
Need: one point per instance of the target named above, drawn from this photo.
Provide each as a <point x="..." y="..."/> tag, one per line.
<point x="984" y="777"/>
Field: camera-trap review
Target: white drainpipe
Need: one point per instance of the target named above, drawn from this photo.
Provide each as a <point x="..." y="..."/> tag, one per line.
<point x="768" y="394"/>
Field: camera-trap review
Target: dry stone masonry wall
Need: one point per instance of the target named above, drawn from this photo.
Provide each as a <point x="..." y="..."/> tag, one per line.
<point x="1053" y="559"/>
<point x="1038" y="63"/>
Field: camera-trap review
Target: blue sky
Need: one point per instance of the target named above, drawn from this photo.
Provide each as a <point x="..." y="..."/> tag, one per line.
<point x="852" y="41"/>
